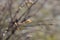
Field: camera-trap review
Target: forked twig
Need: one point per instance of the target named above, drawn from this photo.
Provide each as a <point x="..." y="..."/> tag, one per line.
<point x="25" y="14"/>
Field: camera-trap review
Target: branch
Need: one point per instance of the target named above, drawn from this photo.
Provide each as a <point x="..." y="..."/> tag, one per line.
<point x="18" y="9"/>
<point x="26" y="12"/>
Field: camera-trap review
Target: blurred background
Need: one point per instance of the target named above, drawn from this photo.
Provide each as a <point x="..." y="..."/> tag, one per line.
<point x="43" y="19"/>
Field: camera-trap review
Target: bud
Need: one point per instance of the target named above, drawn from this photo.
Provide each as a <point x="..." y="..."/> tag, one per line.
<point x="28" y="21"/>
<point x="29" y="3"/>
